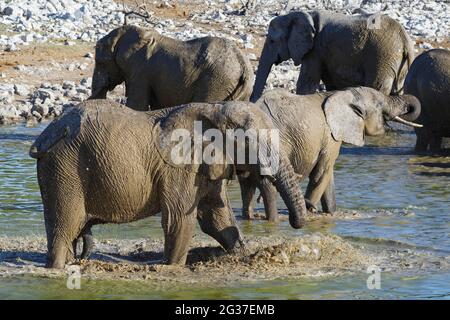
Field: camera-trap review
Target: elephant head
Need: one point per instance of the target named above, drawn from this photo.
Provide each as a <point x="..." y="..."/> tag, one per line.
<point x="224" y="120"/>
<point x="107" y="74"/>
<point x="358" y="111"/>
<point x="289" y="36"/>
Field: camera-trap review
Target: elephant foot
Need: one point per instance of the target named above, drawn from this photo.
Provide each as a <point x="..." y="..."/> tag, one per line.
<point x="239" y="248"/>
<point x="310" y="206"/>
<point x="248" y="214"/>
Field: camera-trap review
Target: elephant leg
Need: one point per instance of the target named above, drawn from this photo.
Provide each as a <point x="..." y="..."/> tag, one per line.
<point x="435" y="143"/>
<point x="269" y="194"/>
<point x="319" y="179"/>
<point x="248" y="188"/>
<point x="179" y="228"/>
<point x="328" y="199"/>
<point x="216" y="219"/>
<point x="71" y="217"/>
<point x="88" y="241"/>
<point x="88" y="245"/>
<point x="138" y="95"/>
<point x="310" y="76"/>
<point x="423" y="140"/>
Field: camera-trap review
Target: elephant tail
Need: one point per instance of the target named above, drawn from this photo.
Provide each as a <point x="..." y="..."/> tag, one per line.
<point x="244" y="87"/>
<point x="407" y="60"/>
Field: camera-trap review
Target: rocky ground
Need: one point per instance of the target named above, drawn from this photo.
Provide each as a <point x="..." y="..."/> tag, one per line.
<point x="47" y="46"/>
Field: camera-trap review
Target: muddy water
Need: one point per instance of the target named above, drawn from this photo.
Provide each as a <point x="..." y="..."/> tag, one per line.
<point x="393" y="212"/>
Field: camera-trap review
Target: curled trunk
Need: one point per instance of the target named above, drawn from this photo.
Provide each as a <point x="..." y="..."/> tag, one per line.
<point x="405" y="106"/>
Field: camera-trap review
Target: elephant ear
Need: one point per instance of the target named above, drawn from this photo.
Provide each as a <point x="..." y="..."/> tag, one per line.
<point x="104" y="50"/>
<point x="345" y="118"/>
<point x="179" y="141"/>
<point x="301" y="36"/>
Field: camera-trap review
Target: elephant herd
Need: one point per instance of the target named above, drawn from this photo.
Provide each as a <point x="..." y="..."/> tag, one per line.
<point x="102" y="162"/>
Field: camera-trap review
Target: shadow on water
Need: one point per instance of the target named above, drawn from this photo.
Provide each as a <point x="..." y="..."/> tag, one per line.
<point x="17" y="136"/>
<point x="433" y="174"/>
<point x="431" y="165"/>
<point x="23" y="257"/>
<point x="388" y="151"/>
<point x="200" y="254"/>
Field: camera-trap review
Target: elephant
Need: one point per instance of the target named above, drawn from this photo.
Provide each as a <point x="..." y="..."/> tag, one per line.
<point x="312" y="129"/>
<point x="101" y="162"/>
<point x="163" y="72"/>
<point x="429" y="80"/>
<point x="341" y="50"/>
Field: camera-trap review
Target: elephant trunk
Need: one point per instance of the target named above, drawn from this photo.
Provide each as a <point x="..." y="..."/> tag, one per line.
<point x="405" y="107"/>
<point x="264" y="67"/>
<point x="289" y="188"/>
<point x="100" y="85"/>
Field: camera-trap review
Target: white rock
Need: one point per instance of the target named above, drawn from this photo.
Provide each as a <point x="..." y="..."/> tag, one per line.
<point x="21" y="90"/>
<point x="11" y="47"/>
<point x="43" y="95"/>
<point x="11" y="11"/>
<point x="252" y="56"/>
<point x="9" y="112"/>
<point x="86" y="82"/>
<point x="27" y="37"/>
<point x="68" y="85"/>
<point x="426" y="46"/>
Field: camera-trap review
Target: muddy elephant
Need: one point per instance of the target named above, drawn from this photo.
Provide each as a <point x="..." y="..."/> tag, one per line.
<point x="429" y="80"/>
<point x="163" y="72"/>
<point x="312" y="129"/>
<point x="342" y="51"/>
<point x="101" y="162"/>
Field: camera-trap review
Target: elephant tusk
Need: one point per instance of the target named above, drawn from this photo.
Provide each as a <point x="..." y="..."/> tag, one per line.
<point x="408" y="123"/>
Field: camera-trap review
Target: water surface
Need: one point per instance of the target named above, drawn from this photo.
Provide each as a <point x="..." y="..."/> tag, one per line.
<point x="404" y="198"/>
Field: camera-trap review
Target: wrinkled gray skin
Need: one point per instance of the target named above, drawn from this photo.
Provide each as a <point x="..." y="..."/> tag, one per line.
<point x="101" y="162"/>
<point x="429" y="80"/>
<point x="340" y="50"/>
<point x="163" y="72"/>
<point x="312" y="129"/>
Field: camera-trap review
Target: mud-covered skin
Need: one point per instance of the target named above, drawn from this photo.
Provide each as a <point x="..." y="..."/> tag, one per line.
<point x="312" y="128"/>
<point x="163" y="72"/>
<point x="341" y="50"/>
<point x="429" y="80"/>
<point x="118" y="169"/>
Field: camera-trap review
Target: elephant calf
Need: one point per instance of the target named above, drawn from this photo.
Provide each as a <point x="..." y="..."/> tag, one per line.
<point x="341" y="50"/>
<point x="163" y="72"/>
<point x="429" y="80"/>
<point x="101" y="162"/>
<point x="312" y="129"/>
